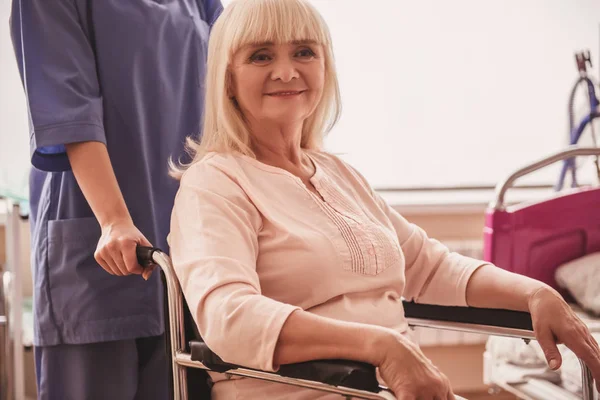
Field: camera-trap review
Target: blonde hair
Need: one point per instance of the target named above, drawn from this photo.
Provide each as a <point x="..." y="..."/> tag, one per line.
<point x="246" y="22"/>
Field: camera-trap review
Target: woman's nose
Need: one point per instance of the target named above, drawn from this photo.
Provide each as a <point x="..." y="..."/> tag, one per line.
<point x="284" y="70"/>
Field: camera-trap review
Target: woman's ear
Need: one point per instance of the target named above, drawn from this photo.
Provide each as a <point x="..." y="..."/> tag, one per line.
<point x="229" y="85"/>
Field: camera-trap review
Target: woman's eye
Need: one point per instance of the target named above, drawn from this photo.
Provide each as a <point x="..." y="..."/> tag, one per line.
<point x="260" y="58"/>
<point x="305" y="53"/>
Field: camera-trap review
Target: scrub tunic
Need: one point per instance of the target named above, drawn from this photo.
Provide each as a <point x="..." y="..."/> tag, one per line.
<point x="128" y="74"/>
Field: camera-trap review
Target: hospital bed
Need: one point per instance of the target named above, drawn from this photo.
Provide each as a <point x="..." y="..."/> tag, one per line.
<point x="535" y="239"/>
<point x="191" y="358"/>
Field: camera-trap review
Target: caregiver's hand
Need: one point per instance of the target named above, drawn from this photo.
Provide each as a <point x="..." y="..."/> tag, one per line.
<point x="116" y="251"/>
<point x="554" y="322"/>
<point x="409" y="374"/>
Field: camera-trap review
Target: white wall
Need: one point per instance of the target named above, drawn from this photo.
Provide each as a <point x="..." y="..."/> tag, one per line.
<point x="455" y="92"/>
<point x="14" y="136"/>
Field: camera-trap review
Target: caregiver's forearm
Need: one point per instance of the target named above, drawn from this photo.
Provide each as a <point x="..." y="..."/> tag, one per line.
<point x="307" y="337"/>
<point x="493" y="287"/>
<point x="95" y="176"/>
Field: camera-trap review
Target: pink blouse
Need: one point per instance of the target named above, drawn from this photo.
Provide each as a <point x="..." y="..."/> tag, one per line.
<point x="251" y="244"/>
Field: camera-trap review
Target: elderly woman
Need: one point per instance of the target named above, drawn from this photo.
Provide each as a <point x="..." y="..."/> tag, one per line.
<point x="284" y="252"/>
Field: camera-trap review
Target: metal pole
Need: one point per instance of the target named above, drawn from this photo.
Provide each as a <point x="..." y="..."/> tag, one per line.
<point x="507" y="183"/>
<point x="15" y="297"/>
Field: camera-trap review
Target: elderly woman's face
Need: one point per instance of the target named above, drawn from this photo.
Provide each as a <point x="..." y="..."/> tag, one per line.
<point x="278" y="83"/>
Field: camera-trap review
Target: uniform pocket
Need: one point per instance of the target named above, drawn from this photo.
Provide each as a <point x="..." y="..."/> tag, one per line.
<point x="78" y="230"/>
<point x="71" y="246"/>
<point x="80" y="289"/>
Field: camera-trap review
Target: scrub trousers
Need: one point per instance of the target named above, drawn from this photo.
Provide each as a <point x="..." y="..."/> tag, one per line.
<point x="135" y="369"/>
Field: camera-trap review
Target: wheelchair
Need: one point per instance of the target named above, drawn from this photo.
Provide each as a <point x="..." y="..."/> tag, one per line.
<point x="191" y="359"/>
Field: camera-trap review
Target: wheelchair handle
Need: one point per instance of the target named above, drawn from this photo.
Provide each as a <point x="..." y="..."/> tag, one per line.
<point x="572" y="151"/>
<point x="145" y="255"/>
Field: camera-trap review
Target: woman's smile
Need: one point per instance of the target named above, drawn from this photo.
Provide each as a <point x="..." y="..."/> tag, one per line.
<point x="286" y="94"/>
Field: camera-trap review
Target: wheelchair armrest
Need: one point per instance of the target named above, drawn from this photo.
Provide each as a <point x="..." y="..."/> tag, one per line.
<point x="487" y="320"/>
<point x="350" y="374"/>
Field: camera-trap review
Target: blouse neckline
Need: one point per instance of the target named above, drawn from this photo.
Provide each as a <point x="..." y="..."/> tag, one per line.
<point x="277" y="170"/>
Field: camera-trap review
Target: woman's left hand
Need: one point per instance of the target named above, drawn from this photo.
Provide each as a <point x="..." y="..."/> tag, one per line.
<point x="554" y="322"/>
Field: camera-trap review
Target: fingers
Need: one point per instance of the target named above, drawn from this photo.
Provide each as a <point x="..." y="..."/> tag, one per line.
<point x="407" y="396"/>
<point x="591" y="357"/>
<point x="145" y="242"/>
<point x="123" y="263"/>
<point x="449" y="396"/>
<point x="576" y="336"/>
<point x="116" y="252"/>
<point x="594" y="343"/>
<point x="111" y="254"/>
<point x="581" y="342"/>
<point x="596" y="350"/>
<point x="119" y="263"/>
<point x="557" y="322"/>
<point x="147" y="272"/>
<point x="588" y="352"/>
<point x="548" y="345"/>
<point x="104" y="264"/>
<point x="129" y="257"/>
<point x="449" y="393"/>
<point x="114" y="265"/>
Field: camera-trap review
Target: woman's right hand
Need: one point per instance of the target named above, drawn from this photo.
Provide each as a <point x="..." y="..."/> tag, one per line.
<point x="116" y="251"/>
<point x="408" y="373"/>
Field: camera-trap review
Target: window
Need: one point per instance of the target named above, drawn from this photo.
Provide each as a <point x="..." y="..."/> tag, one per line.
<point x="14" y="150"/>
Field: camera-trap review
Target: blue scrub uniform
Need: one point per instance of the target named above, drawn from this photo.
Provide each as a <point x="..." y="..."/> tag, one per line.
<point x="130" y="74"/>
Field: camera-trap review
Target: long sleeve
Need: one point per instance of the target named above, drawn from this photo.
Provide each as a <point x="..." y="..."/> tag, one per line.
<point x="58" y="69"/>
<point x="214" y="247"/>
<point x="434" y="275"/>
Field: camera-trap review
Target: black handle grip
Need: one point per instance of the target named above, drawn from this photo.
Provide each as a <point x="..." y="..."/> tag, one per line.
<point x="144" y="255"/>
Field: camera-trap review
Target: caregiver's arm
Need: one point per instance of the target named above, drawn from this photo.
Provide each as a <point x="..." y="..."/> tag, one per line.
<point x="64" y="100"/>
<point x="493" y="287"/>
<point x="95" y="176"/>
